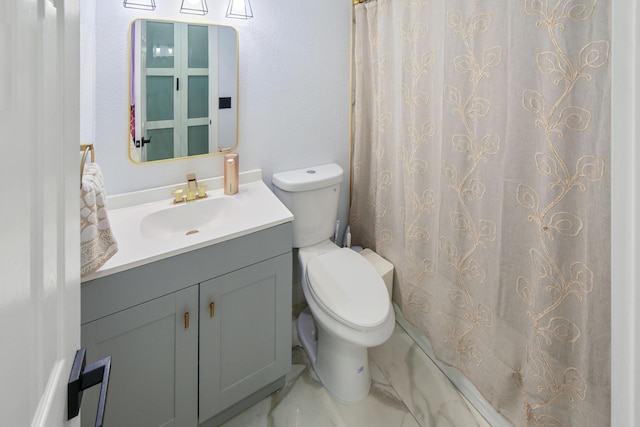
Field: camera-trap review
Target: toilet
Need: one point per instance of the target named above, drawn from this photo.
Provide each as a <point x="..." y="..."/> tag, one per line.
<point x="349" y="309"/>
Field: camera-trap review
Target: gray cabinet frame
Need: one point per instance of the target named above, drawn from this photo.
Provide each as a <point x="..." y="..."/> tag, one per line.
<point x="250" y="279"/>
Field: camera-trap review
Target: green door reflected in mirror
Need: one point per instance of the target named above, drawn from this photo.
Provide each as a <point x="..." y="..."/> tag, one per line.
<point x="183" y="93"/>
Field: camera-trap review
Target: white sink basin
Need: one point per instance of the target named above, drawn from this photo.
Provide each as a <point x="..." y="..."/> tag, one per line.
<point x="157" y="229"/>
<point x="188" y="218"/>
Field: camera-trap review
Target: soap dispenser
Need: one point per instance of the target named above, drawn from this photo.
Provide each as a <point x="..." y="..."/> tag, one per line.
<point x="231" y="168"/>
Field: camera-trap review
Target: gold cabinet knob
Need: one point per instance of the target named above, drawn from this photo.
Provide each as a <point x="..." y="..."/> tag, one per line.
<point x="186" y="320"/>
<point x="212" y="309"/>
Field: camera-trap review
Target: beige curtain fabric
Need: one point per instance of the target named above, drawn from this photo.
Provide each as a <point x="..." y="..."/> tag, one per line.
<point x="480" y="170"/>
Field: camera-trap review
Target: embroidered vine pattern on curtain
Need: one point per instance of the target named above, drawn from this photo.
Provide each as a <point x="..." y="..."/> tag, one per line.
<point x="419" y="198"/>
<point x="469" y="107"/>
<point x="556" y="281"/>
<point x="418" y="134"/>
<point x="476" y="171"/>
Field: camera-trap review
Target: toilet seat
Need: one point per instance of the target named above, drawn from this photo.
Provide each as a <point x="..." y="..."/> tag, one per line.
<point x="348" y="288"/>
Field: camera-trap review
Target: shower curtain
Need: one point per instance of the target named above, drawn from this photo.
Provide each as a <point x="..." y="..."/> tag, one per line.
<point x="480" y="170"/>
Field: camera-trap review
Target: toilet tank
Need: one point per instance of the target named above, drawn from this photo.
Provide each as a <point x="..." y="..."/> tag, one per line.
<point x="312" y="195"/>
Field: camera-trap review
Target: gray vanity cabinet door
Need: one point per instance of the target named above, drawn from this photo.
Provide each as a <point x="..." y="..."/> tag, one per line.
<point x="245" y="338"/>
<point x="154" y="369"/>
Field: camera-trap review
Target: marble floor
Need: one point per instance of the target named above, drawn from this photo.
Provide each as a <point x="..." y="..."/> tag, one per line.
<point x="407" y="390"/>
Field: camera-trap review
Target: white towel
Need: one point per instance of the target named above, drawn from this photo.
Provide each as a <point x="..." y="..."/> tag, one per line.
<point x="98" y="243"/>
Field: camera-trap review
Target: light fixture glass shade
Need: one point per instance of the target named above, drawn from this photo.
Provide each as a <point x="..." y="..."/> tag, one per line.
<point x="140" y="4"/>
<point x="194" y="7"/>
<point x="239" y="9"/>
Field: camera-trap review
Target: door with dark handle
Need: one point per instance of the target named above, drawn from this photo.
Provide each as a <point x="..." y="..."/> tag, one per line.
<point x="82" y="378"/>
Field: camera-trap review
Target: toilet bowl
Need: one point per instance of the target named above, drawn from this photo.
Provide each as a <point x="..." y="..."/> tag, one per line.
<point x="349" y="309"/>
<point x="339" y="327"/>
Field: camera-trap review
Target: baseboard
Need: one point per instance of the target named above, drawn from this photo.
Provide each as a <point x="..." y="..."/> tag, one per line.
<point x="244" y="404"/>
<point x="462" y="383"/>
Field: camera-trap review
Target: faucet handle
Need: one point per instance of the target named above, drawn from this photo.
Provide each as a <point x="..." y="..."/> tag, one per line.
<point x="177" y="194"/>
<point x="202" y="191"/>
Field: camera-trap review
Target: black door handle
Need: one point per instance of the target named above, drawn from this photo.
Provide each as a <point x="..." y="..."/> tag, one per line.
<point x="81" y="378"/>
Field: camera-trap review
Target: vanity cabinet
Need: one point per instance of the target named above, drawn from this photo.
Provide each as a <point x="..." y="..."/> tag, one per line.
<point x="154" y="353"/>
<point x="242" y="343"/>
<point x="194" y="338"/>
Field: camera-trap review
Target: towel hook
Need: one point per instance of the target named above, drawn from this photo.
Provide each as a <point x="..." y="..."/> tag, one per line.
<point x="86" y="148"/>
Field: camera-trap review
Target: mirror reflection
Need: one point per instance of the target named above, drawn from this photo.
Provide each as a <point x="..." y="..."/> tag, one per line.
<point x="183" y="90"/>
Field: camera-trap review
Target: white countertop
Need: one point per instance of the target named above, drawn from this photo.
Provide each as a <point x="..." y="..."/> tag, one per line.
<point x="255" y="208"/>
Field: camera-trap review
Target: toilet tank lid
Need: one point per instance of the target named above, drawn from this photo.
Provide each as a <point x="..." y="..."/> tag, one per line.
<point x="310" y="178"/>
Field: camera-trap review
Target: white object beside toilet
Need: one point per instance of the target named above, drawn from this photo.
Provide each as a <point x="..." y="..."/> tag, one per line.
<point x="350" y="308"/>
<point x="382" y="266"/>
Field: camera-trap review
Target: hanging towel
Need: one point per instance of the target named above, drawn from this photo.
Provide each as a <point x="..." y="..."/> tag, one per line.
<point x="98" y="243"/>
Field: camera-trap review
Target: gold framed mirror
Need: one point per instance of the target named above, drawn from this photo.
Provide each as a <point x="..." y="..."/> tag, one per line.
<point x="183" y="90"/>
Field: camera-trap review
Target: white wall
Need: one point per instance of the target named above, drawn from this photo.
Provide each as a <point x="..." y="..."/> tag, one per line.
<point x="294" y="91"/>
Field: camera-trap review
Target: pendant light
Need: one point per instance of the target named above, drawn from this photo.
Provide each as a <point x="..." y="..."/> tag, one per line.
<point x="140" y="4"/>
<point x="194" y="7"/>
<point x="239" y="9"/>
